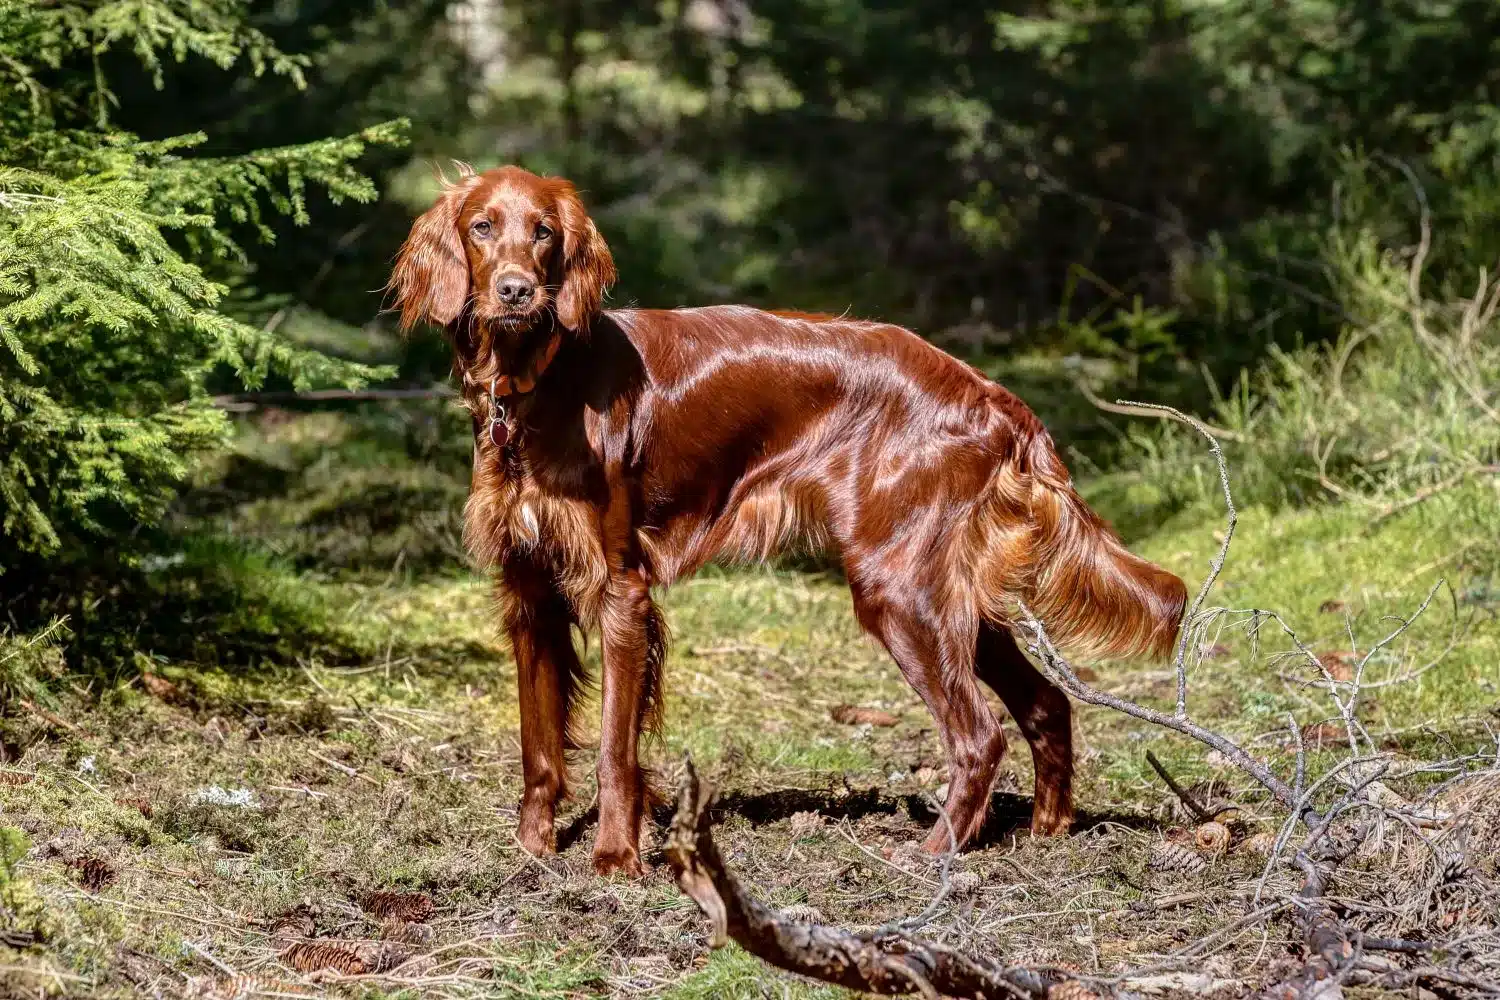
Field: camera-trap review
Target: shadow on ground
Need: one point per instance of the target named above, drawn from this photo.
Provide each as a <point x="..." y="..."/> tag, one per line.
<point x="1009" y="816"/>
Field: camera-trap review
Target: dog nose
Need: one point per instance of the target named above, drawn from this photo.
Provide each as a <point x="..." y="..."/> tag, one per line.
<point x="515" y="291"/>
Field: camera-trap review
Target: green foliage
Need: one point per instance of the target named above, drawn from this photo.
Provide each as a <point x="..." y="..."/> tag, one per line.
<point x="13" y="847"/>
<point x="1397" y="412"/>
<point x="1143" y="181"/>
<point x="28" y="663"/>
<point x="111" y="314"/>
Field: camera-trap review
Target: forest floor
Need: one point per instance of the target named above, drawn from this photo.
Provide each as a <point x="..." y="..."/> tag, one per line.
<point x="210" y="823"/>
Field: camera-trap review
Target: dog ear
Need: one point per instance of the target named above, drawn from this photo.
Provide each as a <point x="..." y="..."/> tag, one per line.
<point x="431" y="277"/>
<point x="588" y="267"/>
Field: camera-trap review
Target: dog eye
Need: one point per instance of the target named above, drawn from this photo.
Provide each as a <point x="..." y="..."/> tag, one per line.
<point x="543" y="233"/>
<point x="481" y="228"/>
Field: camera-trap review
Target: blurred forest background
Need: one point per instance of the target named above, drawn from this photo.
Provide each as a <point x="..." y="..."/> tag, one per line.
<point x="244" y="664"/>
<point x="1280" y="215"/>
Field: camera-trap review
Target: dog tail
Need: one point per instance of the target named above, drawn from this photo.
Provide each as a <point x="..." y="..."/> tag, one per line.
<point x="1094" y="597"/>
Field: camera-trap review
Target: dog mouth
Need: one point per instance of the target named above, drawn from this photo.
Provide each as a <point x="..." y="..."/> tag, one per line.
<point x="516" y="320"/>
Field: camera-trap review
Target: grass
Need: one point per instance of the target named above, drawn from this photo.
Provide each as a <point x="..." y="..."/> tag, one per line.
<point x="319" y="771"/>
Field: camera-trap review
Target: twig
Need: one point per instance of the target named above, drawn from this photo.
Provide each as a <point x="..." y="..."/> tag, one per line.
<point x="240" y="402"/>
<point x="203" y="953"/>
<point x="1126" y="408"/>
<point x="945" y="885"/>
<point x="1216" y="565"/>
<point x="1199" y="813"/>
<point x="51" y="718"/>
<point x="1060" y="669"/>
<point x="351" y="772"/>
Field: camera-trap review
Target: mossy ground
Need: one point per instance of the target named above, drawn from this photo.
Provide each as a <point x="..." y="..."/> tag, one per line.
<point x="386" y="757"/>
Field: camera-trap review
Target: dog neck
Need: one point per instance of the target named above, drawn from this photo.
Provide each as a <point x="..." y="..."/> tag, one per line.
<point x="500" y="392"/>
<point x="491" y="366"/>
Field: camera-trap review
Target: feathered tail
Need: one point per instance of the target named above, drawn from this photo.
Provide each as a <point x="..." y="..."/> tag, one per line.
<point x="1094" y="597"/>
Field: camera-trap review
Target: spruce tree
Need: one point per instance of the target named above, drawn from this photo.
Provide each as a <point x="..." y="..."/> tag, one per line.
<point x="114" y="254"/>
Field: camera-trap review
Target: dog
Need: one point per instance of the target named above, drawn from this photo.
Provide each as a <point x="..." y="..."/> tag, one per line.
<point x="620" y="450"/>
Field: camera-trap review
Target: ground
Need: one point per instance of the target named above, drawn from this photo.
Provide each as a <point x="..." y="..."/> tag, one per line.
<point x="180" y="813"/>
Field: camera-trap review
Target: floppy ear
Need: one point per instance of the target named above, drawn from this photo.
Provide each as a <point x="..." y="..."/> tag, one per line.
<point x="588" y="268"/>
<point x="431" y="276"/>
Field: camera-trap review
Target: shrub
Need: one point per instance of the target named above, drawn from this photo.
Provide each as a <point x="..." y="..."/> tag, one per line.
<point x="114" y="258"/>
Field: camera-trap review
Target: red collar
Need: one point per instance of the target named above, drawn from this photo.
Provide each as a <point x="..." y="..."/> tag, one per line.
<point x="501" y="426"/>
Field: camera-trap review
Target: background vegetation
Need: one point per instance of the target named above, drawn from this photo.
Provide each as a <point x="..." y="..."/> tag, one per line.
<point x="1280" y="216"/>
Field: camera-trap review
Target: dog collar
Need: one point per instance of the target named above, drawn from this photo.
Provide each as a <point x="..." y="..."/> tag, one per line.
<point x="504" y="387"/>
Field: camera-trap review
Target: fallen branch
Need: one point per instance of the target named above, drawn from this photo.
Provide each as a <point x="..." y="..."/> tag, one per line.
<point x="879" y="962"/>
<point x="241" y="402"/>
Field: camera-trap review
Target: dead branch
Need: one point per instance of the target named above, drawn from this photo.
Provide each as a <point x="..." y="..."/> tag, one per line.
<point x="1128" y="409"/>
<point x="1199" y="813"/>
<point x="241" y="402"/>
<point x="879" y="962"/>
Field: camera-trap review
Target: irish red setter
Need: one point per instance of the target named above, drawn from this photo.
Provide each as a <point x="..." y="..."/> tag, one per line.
<point x="621" y="450"/>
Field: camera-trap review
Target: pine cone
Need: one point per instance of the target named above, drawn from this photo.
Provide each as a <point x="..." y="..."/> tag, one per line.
<point x="94" y="874"/>
<point x="401" y="932"/>
<point x="1211" y="837"/>
<point x="411" y="907"/>
<point x="802" y="913"/>
<point x="1169" y="857"/>
<point x="1261" y="843"/>
<point x="963" y="883"/>
<point x="243" y="987"/>
<point x="1070" y="989"/>
<point x="16" y="778"/>
<point x="314" y="956"/>
<point x="805" y="823"/>
<point x="296" y="922"/>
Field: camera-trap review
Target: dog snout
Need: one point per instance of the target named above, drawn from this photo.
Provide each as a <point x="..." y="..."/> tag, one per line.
<point x="515" y="290"/>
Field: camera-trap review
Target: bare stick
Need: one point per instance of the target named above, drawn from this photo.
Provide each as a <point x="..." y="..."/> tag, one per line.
<point x="873" y="963"/>
<point x="1125" y="409"/>
<point x="1063" y="672"/>
<point x="1199" y="813"/>
<point x="242" y="401"/>
<point x="1216" y="566"/>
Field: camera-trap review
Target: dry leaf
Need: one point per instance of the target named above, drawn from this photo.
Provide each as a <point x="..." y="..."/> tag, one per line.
<point x="139" y="804"/>
<point x="853" y="715"/>
<point x="1339" y="663"/>
<point x="926" y="776"/>
<point x="1319" y="734"/>
<point x="159" y="687"/>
